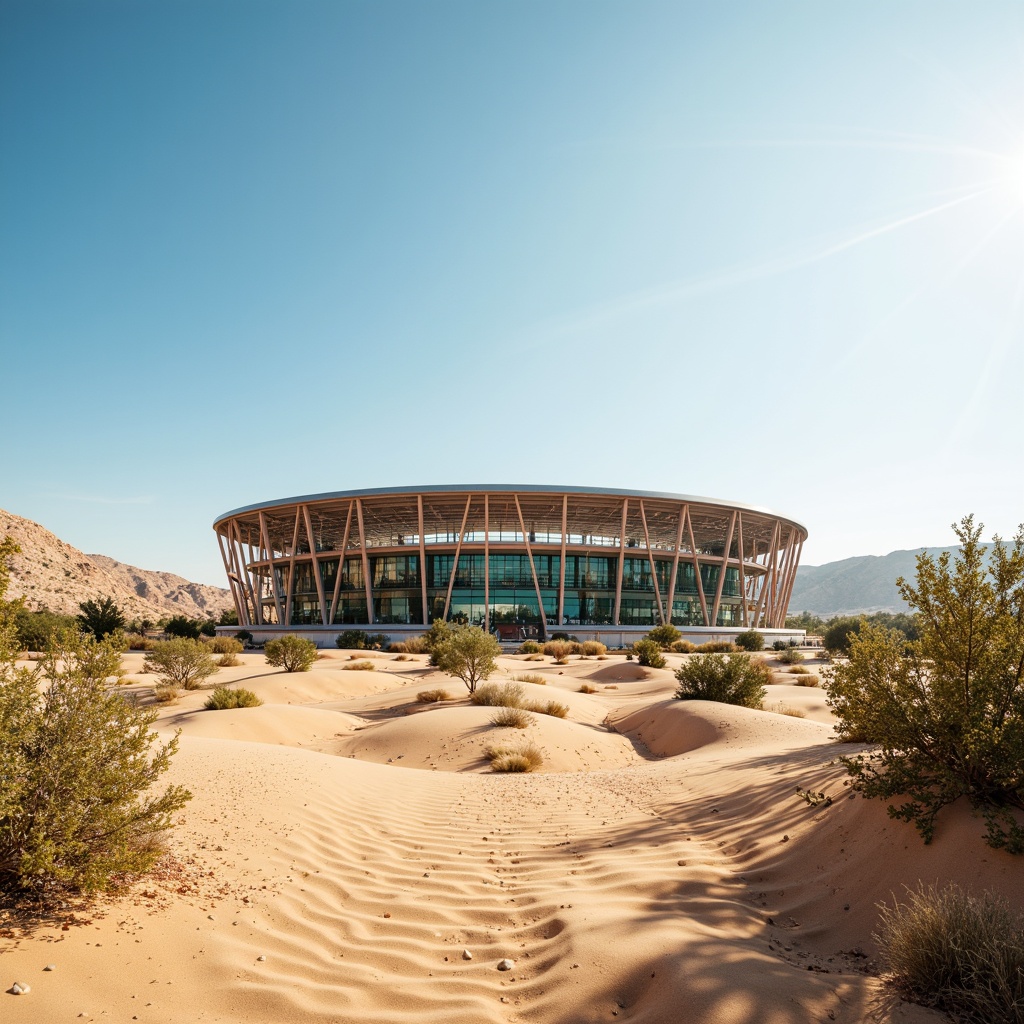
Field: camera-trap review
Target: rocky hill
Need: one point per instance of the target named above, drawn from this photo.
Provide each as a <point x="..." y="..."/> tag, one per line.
<point x="866" y="583"/>
<point x="52" y="574"/>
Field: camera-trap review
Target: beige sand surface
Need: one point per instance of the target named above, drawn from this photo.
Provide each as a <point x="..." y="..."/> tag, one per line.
<point x="661" y="869"/>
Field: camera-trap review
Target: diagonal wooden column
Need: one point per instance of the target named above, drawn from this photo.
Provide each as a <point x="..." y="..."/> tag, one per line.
<point x="650" y="560"/>
<point x="790" y="580"/>
<point x="341" y="562"/>
<point x="272" y="565"/>
<point x="316" y="564"/>
<point x="722" y="569"/>
<point x="243" y="571"/>
<point x="743" y="578"/>
<point x="670" y="601"/>
<point x="561" y="562"/>
<point x="367" y="582"/>
<point x="622" y="558"/>
<point x="455" y="560"/>
<point x="423" y="562"/>
<point x="233" y="582"/>
<point x="533" y="570"/>
<point x="766" y="579"/>
<point x="696" y="568"/>
<point x="291" y="568"/>
<point x="487" y="563"/>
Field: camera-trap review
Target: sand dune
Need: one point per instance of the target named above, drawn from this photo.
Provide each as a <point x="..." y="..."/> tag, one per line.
<point x="666" y="871"/>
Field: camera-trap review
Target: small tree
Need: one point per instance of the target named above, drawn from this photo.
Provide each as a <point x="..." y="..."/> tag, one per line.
<point x="946" y="710"/>
<point x="36" y="628"/>
<point x="77" y="766"/>
<point x="292" y="653"/>
<point x="181" y="662"/>
<point x="182" y="625"/>
<point x="648" y="653"/>
<point x="736" y="679"/>
<point x="101" y="617"/>
<point x="750" y="640"/>
<point x="468" y="653"/>
<point x="839" y="632"/>
<point x="438" y="633"/>
<point x="665" y="636"/>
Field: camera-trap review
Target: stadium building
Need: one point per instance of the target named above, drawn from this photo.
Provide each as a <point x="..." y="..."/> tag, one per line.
<point x="522" y="562"/>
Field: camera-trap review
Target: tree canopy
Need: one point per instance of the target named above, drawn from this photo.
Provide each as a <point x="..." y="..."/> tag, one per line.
<point x="468" y="653"/>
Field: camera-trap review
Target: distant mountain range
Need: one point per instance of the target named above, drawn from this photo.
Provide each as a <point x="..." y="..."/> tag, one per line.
<point x="52" y="574"/>
<point x="865" y="583"/>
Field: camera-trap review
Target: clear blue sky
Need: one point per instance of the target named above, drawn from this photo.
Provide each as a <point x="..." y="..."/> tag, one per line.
<point x="771" y="252"/>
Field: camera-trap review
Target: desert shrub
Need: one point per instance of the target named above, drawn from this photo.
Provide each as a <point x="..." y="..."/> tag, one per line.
<point x="499" y="695"/>
<point x="534" y="657"/>
<point x="750" y="640"/>
<point x="223" y="645"/>
<point x="434" y="637"/>
<point x="181" y="662"/>
<point x="568" y="637"/>
<point x="575" y="647"/>
<point x="587" y="688"/>
<point x="468" y="653"/>
<point x="547" y="707"/>
<point x="629" y="655"/>
<point x="946" y="710"/>
<point x="530" y="677"/>
<point x="228" y="661"/>
<point x="165" y="694"/>
<point x="648" y="653"/>
<point x="528" y="647"/>
<point x="136" y="642"/>
<point x="960" y="953"/>
<point x="558" y="649"/>
<point x="225" y="698"/>
<point x="526" y="757"/>
<point x="34" y="629"/>
<point x="362" y="665"/>
<point x="664" y="636"/>
<point x="78" y="765"/>
<point x="807" y="679"/>
<point x="683" y="647"/>
<point x="717" y="647"/>
<point x="244" y="636"/>
<point x="292" y="653"/>
<point x="411" y="645"/>
<point x="432" y="696"/>
<point x="798" y="670"/>
<point x="591" y="647"/>
<point x="785" y="709"/>
<point x="351" y="640"/>
<point x="401" y="657"/>
<point x="100" y="617"/>
<point x="839" y="632"/>
<point x="511" y="718"/>
<point x="790" y="656"/>
<point x="734" y="680"/>
<point x="183" y="626"/>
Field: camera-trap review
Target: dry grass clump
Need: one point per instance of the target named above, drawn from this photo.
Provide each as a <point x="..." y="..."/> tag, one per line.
<point x="785" y="709"/>
<point x="528" y="647"/>
<point x="790" y="656"/>
<point x="683" y="647"/>
<point x="960" y="953"/>
<point x="531" y="677"/>
<point x="223" y="645"/>
<point x="137" y="642"/>
<point x="798" y="670"/>
<point x="228" y="660"/>
<point x="526" y="757"/>
<point x="166" y="694"/>
<point x="224" y="698"/>
<point x="534" y="657"/>
<point x="549" y="707"/>
<point x="807" y="680"/>
<point x="499" y="695"/>
<point x="403" y="657"/>
<point x="432" y="696"/>
<point x="414" y="645"/>
<point x="511" y="718"/>
<point x="717" y="647"/>
<point x="363" y="665"/>
<point x="559" y="650"/>
<point x="592" y="647"/>
<point x="587" y="688"/>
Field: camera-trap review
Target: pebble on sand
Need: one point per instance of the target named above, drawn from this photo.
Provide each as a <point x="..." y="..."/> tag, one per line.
<point x="50" y="967"/>
<point x="261" y="958"/>
<point x="19" y="988"/>
<point x="506" y="965"/>
<point x="466" y="955"/>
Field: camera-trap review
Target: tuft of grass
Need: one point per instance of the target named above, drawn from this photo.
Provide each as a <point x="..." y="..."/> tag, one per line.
<point x="432" y="696"/>
<point x="228" y="660"/>
<point x="559" y="650"/>
<point x="524" y="758"/>
<point x="807" y="680"/>
<point x="224" y="698"/>
<point x="587" y="688"/>
<point x="511" y="718"/>
<point x="403" y="657"/>
<point x="785" y="709"/>
<point x="550" y="707"/>
<point x="798" y="670"/>
<point x="360" y="666"/>
<point x="534" y="657"/>
<point x="528" y="647"/>
<point x="499" y="695"/>
<point x="960" y="953"/>
<point x="790" y="656"/>
<point x="531" y="677"/>
<point x="167" y="694"/>
<point x="592" y="647"/>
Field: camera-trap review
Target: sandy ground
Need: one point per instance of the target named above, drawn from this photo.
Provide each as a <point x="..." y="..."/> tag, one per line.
<point x="347" y="847"/>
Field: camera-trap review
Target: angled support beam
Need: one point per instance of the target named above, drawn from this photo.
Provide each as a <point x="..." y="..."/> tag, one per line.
<point x="533" y="570"/>
<point x="423" y="562"/>
<point x="487" y="563"/>
<point x="696" y="568"/>
<point x="790" y="580"/>
<point x="650" y="559"/>
<point x="233" y="581"/>
<point x="670" y="601"/>
<point x="767" y="579"/>
<point x="722" y="570"/>
<point x="367" y="582"/>
<point x="265" y="535"/>
<point x="743" y="578"/>
<point x="291" y="568"/>
<point x="455" y="561"/>
<point x="316" y="565"/>
<point x="622" y="558"/>
<point x="561" y="562"/>
<point x="341" y="562"/>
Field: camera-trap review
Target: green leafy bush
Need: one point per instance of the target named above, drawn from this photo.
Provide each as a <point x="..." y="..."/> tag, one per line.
<point x="750" y="640"/>
<point x="739" y="679"/>
<point x="434" y="637"/>
<point x="224" y="698"/>
<point x="947" y="710"/>
<point x="228" y="661"/>
<point x="960" y="953"/>
<point x="790" y="656"/>
<point x="182" y="625"/>
<point x="244" y="636"/>
<point x="100" y="617"/>
<point x="180" y="663"/>
<point x="78" y="766"/>
<point x="292" y="653"/>
<point x="34" y="629"/>
<point x="648" y="653"/>
<point x="664" y="636"/>
<point x="467" y="653"/>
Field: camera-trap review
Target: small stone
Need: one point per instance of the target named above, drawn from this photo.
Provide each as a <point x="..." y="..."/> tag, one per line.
<point x="261" y="958"/>
<point x="19" y="988"/>
<point x="209" y="917"/>
<point x="387" y="913"/>
<point x="466" y="955"/>
<point x="50" y="967"/>
<point x="785" y="839"/>
<point x="505" y="965"/>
